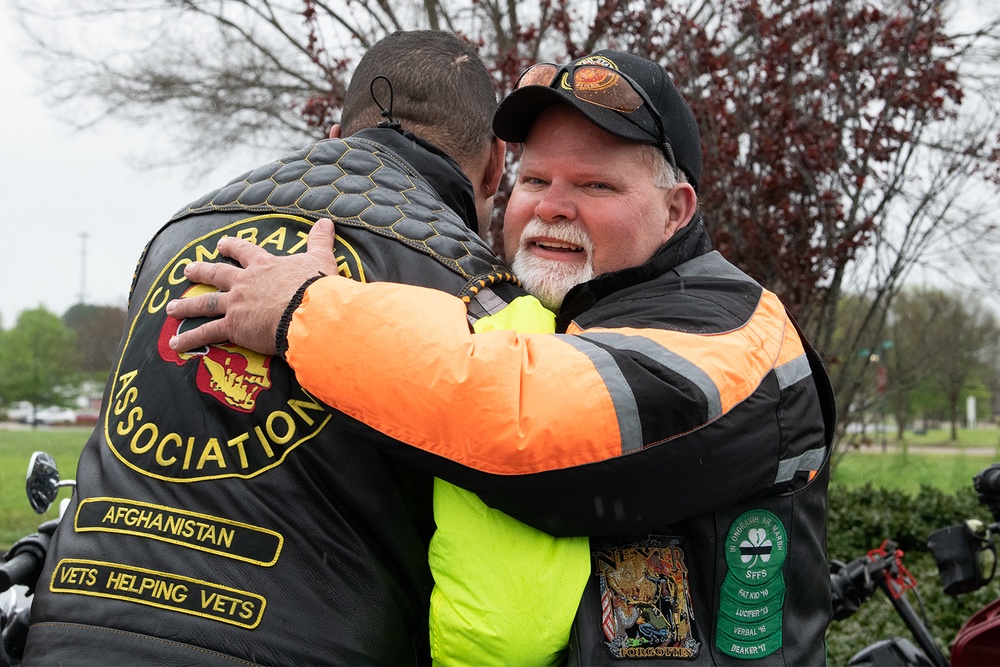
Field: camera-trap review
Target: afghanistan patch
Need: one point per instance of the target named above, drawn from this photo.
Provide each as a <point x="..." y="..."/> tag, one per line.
<point x="749" y="622"/>
<point x="646" y="609"/>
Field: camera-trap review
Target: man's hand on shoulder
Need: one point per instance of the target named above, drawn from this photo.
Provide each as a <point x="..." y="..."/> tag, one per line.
<point x="252" y="299"/>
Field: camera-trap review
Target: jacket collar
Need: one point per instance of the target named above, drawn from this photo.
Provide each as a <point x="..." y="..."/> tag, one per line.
<point x="438" y="168"/>
<point x="691" y="241"/>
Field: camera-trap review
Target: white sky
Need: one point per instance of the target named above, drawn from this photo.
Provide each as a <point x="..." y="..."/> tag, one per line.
<point x="57" y="183"/>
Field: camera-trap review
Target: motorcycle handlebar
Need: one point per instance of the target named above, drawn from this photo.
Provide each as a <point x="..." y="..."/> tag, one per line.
<point x="852" y="584"/>
<point x="21" y="569"/>
<point x="24" y="561"/>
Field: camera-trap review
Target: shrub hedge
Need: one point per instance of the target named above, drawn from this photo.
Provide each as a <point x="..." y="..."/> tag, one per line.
<point x="859" y="520"/>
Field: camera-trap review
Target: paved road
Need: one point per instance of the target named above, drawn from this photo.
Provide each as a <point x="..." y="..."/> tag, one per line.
<point x="939" y="450"/>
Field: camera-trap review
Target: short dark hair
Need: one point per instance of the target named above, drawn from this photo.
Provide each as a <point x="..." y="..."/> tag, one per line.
<point x="441" y="89"/>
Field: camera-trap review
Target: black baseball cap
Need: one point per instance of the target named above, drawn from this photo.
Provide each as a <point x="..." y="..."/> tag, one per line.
<point x="515" y="115"/>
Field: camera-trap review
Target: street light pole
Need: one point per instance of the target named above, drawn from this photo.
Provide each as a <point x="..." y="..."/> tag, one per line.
<point x="877" y="356"/>
<point x="83" y="267"/>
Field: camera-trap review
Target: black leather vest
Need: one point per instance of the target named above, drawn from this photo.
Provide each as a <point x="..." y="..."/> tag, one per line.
<point x="222" y="514"/>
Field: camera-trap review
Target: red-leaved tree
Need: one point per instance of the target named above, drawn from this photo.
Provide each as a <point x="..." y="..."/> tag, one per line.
<point x="833" y="130"/>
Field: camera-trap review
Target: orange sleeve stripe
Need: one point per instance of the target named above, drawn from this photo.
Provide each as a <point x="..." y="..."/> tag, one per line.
<point x="483" y="400"/>
<point x="402" y="360"/>
<point x="791" y="346"/>
<point x="735" y="361"/>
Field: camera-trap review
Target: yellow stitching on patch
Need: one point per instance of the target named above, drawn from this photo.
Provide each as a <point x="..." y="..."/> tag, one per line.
<point x="204" y="532"/>
<point x="163" y="590"/>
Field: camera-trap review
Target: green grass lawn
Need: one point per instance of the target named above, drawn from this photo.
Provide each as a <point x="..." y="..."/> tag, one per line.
<point x="909" y="472"/>
<point x="16" y="446"/>
<point x="930" y="458"/>
<point x="987" y="436"/>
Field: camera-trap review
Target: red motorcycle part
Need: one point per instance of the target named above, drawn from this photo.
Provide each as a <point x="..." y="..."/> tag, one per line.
<point x="897" y="577"/>
<point x="978" y="642"/>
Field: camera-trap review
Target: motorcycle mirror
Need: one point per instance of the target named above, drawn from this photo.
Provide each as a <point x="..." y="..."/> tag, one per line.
<point x="42" y="484"/>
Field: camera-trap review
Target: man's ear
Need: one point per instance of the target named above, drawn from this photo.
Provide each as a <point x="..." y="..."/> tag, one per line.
<point x="335" y="131"/>
<point x="494" y="167"/>
<point x="683" y="205"/>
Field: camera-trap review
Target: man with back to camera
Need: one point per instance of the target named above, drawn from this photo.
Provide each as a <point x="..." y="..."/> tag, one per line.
<point x="678" y="413"/>
<point x="221" y="514"/>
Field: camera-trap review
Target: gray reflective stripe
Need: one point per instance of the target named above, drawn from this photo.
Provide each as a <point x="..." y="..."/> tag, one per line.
<point x="488" y="300"/>
<point x="667" y="359"/>
<point x="483" y="304"/>
<point x="712" y="264"/>
<point x="621" y="393"/>
<point x="795" y="370"/>
<point x="810" y="460"/>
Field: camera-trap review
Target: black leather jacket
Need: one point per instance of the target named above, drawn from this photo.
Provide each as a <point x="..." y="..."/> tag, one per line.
<point x="222" y="515"/>
<point x="707" y="515"/>
<point x="737" y="582"/>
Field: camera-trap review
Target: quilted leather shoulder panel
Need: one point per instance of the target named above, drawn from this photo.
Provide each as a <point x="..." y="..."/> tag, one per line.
<point x="360" y="184"/>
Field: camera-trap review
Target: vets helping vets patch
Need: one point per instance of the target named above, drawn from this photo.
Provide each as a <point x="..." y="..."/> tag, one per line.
<point x="749" y="621"/>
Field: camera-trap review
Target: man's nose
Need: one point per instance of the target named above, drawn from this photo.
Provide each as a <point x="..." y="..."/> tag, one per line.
<point x="556" y="204"/>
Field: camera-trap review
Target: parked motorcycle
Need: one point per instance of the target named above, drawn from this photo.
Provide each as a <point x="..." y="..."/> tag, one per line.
<point x="965" y="555"/>
<point x="23" y="562"/>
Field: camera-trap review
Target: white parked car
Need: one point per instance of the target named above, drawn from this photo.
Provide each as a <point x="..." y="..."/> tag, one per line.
<point x="53" y="415"/>
<point x="20" y="412"/>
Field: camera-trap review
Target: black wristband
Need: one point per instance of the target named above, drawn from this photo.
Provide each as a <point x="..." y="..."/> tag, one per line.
<point x="281" y="335"/>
